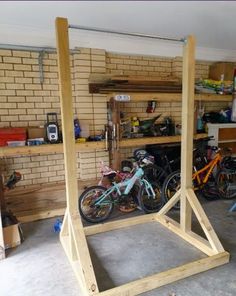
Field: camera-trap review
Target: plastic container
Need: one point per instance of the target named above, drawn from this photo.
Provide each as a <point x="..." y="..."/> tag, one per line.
<point x="85" y="132"/>
<point x="15" y="143"/>
<point x="12" y="134"/>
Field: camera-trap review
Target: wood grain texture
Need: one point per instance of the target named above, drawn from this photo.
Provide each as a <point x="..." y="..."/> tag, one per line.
<point x="169" y="276"/>
<point x="78" y="247"/>
<point x="187" y="131"/>
<point x="49" y="149"/>
<point x="2" y="207"/>
<point x="172" y="97"/>
<point x="204" y="221"/>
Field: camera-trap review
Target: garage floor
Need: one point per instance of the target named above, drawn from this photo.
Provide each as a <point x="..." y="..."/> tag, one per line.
<point x="39" y="266"/>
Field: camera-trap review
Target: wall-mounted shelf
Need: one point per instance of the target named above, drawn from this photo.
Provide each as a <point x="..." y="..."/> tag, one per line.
<point x="173" y="97"/>
<point x="49" y="148"/>
<point x="126" y="143"/>
<point x="36" y="202"/>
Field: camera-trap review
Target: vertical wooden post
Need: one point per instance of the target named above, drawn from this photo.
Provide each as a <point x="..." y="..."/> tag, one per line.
<point x="2" y="247"/>
<point x="63" y="56"/>
<point x="72" y="230"/>
<point x="2" y="206"/>
<point x="187" y="131"/>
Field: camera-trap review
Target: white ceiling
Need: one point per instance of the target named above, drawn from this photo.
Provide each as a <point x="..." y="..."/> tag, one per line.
<point x="212" y="22"/>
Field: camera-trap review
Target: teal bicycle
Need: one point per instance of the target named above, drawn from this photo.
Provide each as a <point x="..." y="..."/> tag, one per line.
<point x="96" y="203"/>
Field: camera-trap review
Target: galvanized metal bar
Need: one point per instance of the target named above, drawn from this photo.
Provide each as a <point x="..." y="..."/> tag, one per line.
<point x="40" y="60"/>
<point x="93" y="29"/>
<point x="32" y="48"/>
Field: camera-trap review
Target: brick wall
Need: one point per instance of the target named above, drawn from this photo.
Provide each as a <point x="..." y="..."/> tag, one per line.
<point x="138" y="65"/>
<point x="25" y="102"/>
<point x="156" y="66"/>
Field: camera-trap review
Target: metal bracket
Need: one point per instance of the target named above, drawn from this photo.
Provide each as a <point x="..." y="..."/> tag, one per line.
<point x="40" y="60"/>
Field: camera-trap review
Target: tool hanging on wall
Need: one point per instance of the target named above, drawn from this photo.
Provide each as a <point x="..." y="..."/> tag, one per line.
<point x="151" y="106"/>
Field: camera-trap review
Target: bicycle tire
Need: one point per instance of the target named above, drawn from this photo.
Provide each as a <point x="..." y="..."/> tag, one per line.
<point x="210" y="191"/>
<point x="225" y="178"/>
<point x="94" y="214"/>
<point x="170" y="186"/>
<point x="154" y="173"/>
<point x="150" y="204"/>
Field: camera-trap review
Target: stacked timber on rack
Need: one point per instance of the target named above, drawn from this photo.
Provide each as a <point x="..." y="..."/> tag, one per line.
<point x="142" y="88"/>
<point x="124" y="83"/>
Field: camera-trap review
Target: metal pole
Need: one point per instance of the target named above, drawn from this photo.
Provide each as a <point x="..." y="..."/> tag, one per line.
<point x="40" y="60"/>
<point x="125" y="33"/>
<point x="32" y="48"/>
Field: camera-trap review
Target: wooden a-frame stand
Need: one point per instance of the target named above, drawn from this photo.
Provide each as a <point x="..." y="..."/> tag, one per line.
<point x="73" y="234"/>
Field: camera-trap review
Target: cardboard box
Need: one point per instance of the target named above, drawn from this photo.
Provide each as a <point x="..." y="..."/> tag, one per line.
<point x="11" y="236"/>
<point x="36" y="132"/>
<point x="221" y="68"/>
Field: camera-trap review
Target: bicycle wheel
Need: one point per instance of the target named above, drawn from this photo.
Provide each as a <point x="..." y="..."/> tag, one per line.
<point x="226" y="183"/>
<point x="170" y="186"/>
<point x="154" y="173"/>
<point x="91" y="212"/>
<point x="150" y="204"/>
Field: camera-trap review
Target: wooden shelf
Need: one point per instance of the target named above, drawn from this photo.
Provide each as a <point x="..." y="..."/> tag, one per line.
<point x="126" y="143"/>
<point x="213" y="97"/>
<point x="49" y="148"/>
<point x="173" y="97"/>
<point x="37" y="202"/>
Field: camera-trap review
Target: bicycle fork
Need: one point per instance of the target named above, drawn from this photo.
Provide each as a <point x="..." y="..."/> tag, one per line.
<point x="149" y="188"/>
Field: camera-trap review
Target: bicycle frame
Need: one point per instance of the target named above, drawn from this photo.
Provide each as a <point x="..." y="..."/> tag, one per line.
<point x="210" y="167"/>
<point x="128" y="185"/>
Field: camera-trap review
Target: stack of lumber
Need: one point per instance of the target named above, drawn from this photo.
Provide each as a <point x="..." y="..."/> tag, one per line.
<point x="108" y="83"/>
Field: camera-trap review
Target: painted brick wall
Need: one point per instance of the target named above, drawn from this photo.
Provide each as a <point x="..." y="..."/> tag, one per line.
<point x="25" y="102"/>
<point x="138" y="65"/>
<point x="157" y="66"/>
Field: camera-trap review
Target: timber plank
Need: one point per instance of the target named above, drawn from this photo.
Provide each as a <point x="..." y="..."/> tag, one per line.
<point x="48" y="149"/>
<point x="36" y="203"/>
<point x="169" y="276"/>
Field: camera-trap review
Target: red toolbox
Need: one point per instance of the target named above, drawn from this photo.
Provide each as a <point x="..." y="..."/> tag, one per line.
<point x="12" y="134"/>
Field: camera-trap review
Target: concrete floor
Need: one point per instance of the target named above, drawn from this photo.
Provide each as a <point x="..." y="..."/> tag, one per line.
<point x="39" y="266"/>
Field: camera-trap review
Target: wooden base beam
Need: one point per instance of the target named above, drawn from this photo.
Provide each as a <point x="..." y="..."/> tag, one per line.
<point x="118" y="224"/>
<point x="213" y="260"/>
<point x="194" y="239"/>
<point x="2" y="245"/>
<point x="169" y="276"/>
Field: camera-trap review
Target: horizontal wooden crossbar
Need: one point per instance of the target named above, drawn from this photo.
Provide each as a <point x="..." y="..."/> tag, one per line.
<point x="191" y="237"/>
<point x="108" y="226"/>
<point x="159" y="279"/>
<point x="169" y="276"/>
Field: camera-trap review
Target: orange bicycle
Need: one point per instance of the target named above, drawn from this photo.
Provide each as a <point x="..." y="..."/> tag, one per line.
<point x="208" y="179"/>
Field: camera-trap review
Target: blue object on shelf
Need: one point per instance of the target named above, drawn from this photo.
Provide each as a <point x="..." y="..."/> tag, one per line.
<point x="57" y="225"/>
<point x="77" y="128"/>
